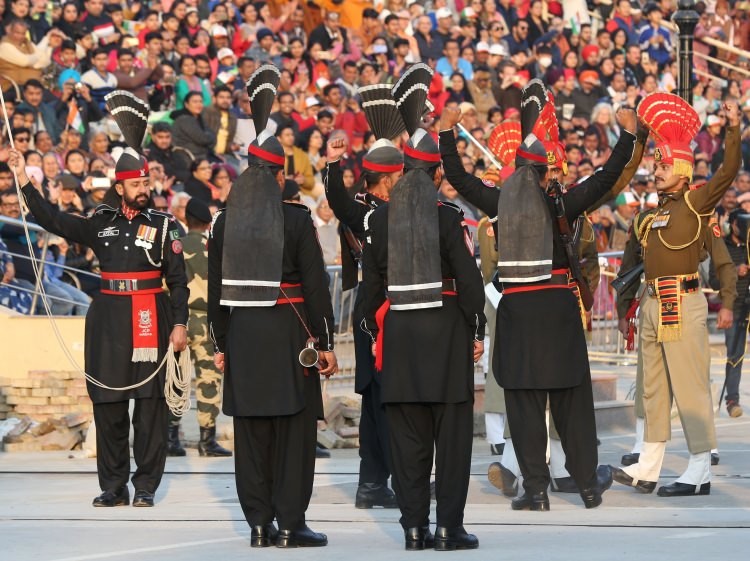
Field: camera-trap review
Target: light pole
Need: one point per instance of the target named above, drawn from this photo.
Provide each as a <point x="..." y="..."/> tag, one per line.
<point x="686" y="19"/>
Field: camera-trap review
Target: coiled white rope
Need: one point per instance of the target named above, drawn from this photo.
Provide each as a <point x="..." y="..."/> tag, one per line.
<point x="177" y="383"/>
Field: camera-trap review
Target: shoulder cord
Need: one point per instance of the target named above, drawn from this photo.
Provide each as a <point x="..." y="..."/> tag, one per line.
<point x="163" y="239"/>
<point x="698" y="217"/>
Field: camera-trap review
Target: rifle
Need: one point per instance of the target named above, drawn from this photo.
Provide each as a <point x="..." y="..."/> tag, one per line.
<point x="569" y="242"/>
<point x="626" y="279"/>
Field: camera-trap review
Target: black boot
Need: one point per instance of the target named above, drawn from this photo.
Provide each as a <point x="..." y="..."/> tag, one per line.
<point x="531" y="501"/>
<point x="418" y="538"/>
<point x="448" y="539"/>
<point x="208" y="445"/>
<point x="174" y="447"/>
<point x="370" y="495"/>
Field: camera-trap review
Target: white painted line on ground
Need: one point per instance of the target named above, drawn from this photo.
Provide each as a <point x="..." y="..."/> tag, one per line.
<point x="129" y="552"/>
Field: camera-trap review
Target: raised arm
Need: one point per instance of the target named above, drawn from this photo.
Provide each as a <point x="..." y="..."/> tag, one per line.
<point x="707" y="197"/>
<point x="48" y="216"/>
<point x="347" y="210"/>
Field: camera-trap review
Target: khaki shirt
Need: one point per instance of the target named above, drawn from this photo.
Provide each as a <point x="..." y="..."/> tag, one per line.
<point x="672" y="241"/>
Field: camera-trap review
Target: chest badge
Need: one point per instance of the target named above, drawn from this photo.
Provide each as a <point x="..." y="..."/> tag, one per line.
<point x="145" y="236"/>
<point x="109" y="232"/>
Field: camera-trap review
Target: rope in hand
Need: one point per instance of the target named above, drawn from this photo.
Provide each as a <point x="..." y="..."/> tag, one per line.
<point x="178" y="372"/>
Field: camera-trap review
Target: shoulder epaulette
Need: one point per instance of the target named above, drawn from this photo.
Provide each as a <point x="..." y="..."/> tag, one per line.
<point x="161" y="213"/>
<point x="453" y="206"/>
<point x="213" y="221"/>
<point x="298" y="205"/>
<point x="101" y="209"/>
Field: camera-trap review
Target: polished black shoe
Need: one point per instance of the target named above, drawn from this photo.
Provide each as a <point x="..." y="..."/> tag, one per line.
<point x="683" y="490"/>
<point x="449" y="539"/>
<point x="630" y="459"/>
<point x="715" y="458"/>
<point x="502" y="478"/>
<point x="641" y="486"/>
<point x="263" y="536"/>
<point x="563" y="485"/>
<point x="174" y="446"/>
<point x="302" y="537"/>
<point x="370" y="495"/>
<point x="321" y="452"/>
<point x="143" y="498"/>
<point x="497" y="449"/>
<point x="108" y="498"/>
<point x="592" y="496"/>
<point x="418" y="538"/>
<point x="207" y="446"/>
<point x="534" y="501"/>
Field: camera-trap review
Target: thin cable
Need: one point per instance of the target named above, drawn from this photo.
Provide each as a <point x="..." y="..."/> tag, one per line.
<point x="177" y="379"/>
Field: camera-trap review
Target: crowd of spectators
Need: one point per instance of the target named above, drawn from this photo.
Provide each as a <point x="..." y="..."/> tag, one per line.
<point x="190" y="59"/>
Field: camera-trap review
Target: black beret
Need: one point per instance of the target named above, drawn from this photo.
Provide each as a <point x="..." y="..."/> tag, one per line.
<point x="199" y="210"/>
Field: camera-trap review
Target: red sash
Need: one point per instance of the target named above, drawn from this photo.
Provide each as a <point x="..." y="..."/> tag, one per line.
<point x="143" y="309"/>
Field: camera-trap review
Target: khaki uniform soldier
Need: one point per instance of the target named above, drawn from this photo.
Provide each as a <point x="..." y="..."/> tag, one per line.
<point x="674" y="337"/>
<point x="208" y="378"/>
<point x="628" y="300"/>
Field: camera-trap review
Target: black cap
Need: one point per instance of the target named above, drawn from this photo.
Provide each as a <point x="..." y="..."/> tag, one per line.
<point x="421" y="151"/>
<point x="291" y="190"/>
<point x="68" y="181"/>
<point x="198" y="210"/>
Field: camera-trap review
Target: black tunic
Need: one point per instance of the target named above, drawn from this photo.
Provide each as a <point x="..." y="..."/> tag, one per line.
<point x="427" y="354"/>
<point x="263" y="376"/>
<point x="351" y="213"/>
<point x="540" y="342"/>
<point x="109" y="331"/>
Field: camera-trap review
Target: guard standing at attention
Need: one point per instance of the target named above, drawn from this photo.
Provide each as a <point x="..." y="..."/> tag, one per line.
<point x="674" y="335"/>
<point x="130" y="325"/>
<point x="424" y="309"/>
<point x="268" y="309"/>
<point x="383" y="165"/>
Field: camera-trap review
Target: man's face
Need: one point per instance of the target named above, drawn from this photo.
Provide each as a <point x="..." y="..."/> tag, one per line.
<point x="332" y="21"/>
<point x="125" y="63"/>
<point x="43" y="142"/>
<point x="729" y="200"/>
<point x="286" y="105"/>
<point x="350" y="74"/>
<point x="604" y="40"/>
<point x="743" y="183"/>
<point x="266" y="43"/>
<point x="633" y="55"/>
<point x="224" y="100"/>
<point x="154" y="47"/>
<point x="665" y="178"/>
<point x="324" y="211"/>
<point x="95" y="7"/>
<point x="585" y="170"/>
<point x="618" y="83"/>
<point x="393" y="27"/>
<point x="162" y="140"/>
<point x="424" y="25"/>
<point x="521" y="30"/>
<point x="100" y="62"/>
<point x="202" y="68"/>
<point x="325" y="125"/>
<point x="482" y="79"/>
<point x="624" y="8"/>
<point x="135" y="192"/>
<point x="655" y="17"/>
<point x="9" y="205"/>
<point x="334" y="97"/>
<point x="451" y="50"/>
<point x="33" y="96"/>
<point x="591" y="142"/>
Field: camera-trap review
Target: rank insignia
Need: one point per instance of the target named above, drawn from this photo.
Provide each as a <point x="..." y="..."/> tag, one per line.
<point x="657" y="155"/>
<point x="145" y="236"/>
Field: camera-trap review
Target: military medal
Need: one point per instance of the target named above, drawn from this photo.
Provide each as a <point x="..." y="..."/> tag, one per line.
<point x="661" y="220"/>
<point x="145" y="236"/>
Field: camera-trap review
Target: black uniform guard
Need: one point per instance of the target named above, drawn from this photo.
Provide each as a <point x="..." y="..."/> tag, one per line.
<point x="427" y="341"/>
<point x="382" y="166"/>
<point x="128" y="325"/>
<point x="540" y="345"/>
<point x="266" y="287"/>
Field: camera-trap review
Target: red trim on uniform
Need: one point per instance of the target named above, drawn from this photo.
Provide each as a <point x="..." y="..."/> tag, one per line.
<point x="140" y="275"/>
<point x="132" y="174"/>
<point x="532" y="157"/>
<point x="266" y="155"/>
<point x="382" y="168"/>
<point x="532" y="288"/>
<point x="419" y="155"/>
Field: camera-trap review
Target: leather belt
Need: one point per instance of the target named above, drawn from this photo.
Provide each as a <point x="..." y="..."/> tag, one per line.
<point x="449" y="287"/>
<point x="690" y="283"/>
<point x="290" y="294"/>
<point x="126" y="284"/>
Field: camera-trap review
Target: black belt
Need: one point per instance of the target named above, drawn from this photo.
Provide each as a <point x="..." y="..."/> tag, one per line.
<point x="130" y="285"/>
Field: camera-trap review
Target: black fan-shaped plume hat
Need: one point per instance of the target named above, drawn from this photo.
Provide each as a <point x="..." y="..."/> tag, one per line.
<point x="261" y="88"/>
<point x="381" y="112"/>
<point x="131" y="115"/>
<point x="533" y="100"/>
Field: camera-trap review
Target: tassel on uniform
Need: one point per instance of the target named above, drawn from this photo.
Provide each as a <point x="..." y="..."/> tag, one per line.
<point x="145" y="355"/>
<point x="683" y="168"/>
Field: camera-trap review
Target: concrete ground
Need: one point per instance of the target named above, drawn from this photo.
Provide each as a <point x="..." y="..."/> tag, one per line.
<point x="45" y="513"/>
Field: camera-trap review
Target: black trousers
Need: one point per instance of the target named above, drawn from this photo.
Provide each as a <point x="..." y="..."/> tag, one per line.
<point x="416" y="430"/>
<point x="374" y="448"/>
<point x="572" y="411"/>
<point x="274" y="459"/>
<point x="149" y="443"/>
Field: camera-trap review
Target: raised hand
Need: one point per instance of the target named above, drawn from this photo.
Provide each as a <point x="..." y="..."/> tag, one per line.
<point x="627" y="119"/>
<point x="450" y="117"/>
<point x="336" y="148"/>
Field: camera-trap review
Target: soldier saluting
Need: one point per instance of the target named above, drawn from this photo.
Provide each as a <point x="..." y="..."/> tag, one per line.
<point x="131" y="323"/>
<point x="674" y="336"/>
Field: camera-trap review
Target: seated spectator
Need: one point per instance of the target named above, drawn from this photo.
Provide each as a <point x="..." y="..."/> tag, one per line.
<point x="190" y="82"/>
<point x="176" y="162"/>
<point x="199" y="185"/>
<point x="135" y="80"/>
<point x="44" y="114"/>
<point x="189" y="130"/>
<point x="12" y="294"/>
<point x="99" y="80"/>
<point x="223" y="123"/>
<point x="297" y="166"/>
<point x="451" y="62"/>
<point x="20" y="59"/>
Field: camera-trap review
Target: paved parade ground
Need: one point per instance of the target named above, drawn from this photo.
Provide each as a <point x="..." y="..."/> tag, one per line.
<point x="45" y="513"/>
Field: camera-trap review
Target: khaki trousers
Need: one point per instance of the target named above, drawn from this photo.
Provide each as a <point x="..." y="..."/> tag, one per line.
<point x="679" y="370"/>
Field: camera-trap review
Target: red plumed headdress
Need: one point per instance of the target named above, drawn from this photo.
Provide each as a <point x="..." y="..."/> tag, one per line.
<point x="674" y="124"/>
